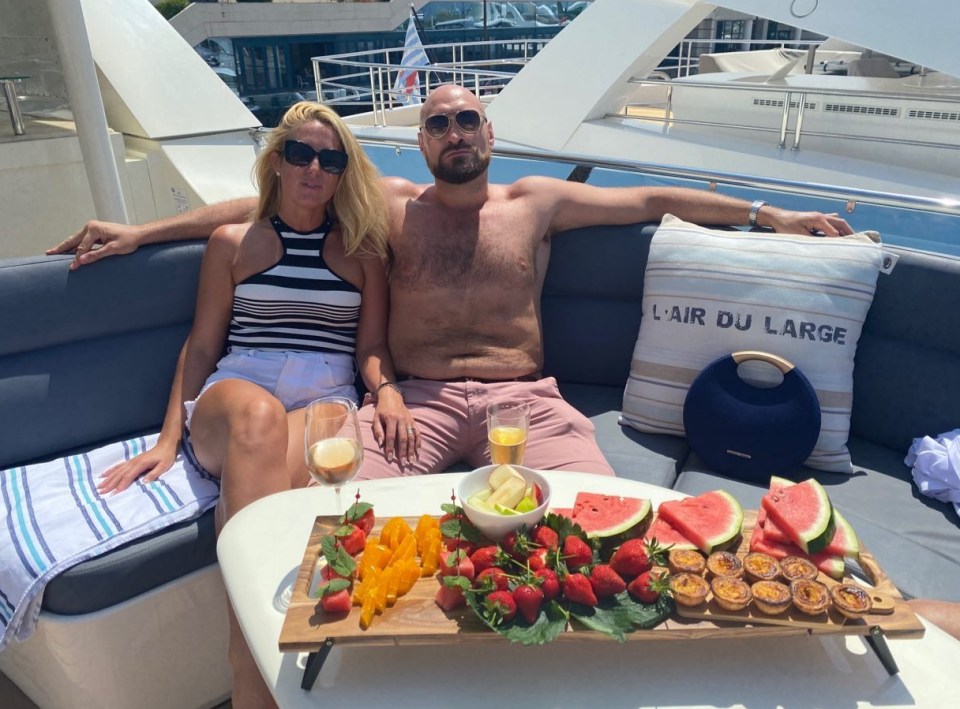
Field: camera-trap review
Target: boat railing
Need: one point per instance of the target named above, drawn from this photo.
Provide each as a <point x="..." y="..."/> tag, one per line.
<point x="794" y="102"/>
<point x="367" y="79"/>
<point x="713" y="180"/>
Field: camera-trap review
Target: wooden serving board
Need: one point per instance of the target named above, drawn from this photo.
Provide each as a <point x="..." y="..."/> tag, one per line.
<point x="416" y="619"/>
<point x="890" y="612"/>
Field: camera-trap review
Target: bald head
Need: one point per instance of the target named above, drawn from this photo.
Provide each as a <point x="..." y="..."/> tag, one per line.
<point x="449" y="97"/>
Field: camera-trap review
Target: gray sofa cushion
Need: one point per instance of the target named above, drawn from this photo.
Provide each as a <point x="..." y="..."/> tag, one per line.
<point x="134" y="568"/>
<point x="98" y="356"/>
<point x="907" y="376"/>
<point x="633" y="455"/>
<point x="915" y="540"/>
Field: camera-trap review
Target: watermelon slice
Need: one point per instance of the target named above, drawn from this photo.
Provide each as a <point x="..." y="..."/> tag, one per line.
<point x="830" y="564"/>
<point x="710" y="520"/>
<point x="604" y="516"/>
<point x="666" y="535"/>
<point x="843" y="543"/>
<point x="804" y="512"/>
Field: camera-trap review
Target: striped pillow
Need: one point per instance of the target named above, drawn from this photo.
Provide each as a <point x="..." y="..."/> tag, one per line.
<point x="709" y="293"/>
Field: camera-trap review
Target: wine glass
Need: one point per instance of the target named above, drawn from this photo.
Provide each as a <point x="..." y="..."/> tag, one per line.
<point x="333" y="451"/>
<point x="332" y="444"/>
<point x="507" y="425"/>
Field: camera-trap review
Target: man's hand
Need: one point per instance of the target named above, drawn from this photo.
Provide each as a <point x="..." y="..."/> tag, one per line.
<point x="786" y="222"/>
<point x="113" y="239"/>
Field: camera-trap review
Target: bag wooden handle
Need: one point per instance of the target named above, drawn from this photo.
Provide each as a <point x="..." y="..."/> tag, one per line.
<point x="780" y="363"/>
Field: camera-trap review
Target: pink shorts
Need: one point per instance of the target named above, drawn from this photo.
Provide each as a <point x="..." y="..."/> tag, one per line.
<point x="451" y="419"/>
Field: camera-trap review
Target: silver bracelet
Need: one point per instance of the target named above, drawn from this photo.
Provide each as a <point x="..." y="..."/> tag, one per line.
<point x="392" y="385"/>
<point x="755" y="211"/>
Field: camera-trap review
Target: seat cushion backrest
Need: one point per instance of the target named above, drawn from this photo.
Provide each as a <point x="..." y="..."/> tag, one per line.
<point x="89" y="355"/>
<point x="591" y="302"/>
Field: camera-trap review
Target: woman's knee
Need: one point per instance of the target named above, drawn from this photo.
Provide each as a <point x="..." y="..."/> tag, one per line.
<point x="257" y="420"/>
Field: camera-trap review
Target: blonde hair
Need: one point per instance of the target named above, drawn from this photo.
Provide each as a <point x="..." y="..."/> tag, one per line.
<point x="358" y="204"/>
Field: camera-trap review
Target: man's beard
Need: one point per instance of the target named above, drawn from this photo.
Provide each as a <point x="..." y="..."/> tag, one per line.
<point x="462" y="169"/>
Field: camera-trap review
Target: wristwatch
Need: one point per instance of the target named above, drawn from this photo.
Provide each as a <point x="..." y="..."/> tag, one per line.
<point x="754" y="211"/>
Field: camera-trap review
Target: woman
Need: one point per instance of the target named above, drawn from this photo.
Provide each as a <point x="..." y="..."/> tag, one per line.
<point x="294" y="295"/>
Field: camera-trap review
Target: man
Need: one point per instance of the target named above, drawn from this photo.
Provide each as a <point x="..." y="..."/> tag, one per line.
<point x="469" y="261"/>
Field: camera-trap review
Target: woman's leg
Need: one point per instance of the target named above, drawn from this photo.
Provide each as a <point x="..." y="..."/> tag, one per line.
<point x="241" y="433"/>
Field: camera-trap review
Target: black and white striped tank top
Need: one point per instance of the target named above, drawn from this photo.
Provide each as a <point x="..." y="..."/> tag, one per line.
<point x="299" y="304"/>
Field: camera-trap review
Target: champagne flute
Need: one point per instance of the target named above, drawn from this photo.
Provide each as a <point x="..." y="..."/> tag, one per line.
<point x="508" y="423"/>
<point x="331" y="442"/>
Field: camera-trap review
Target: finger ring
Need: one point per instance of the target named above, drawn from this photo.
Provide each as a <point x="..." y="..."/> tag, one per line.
<point x="410" y="429"/>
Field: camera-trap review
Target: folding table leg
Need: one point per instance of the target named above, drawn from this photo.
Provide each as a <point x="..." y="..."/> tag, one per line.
<point x="878" y="643"/>
<point x="315" y="662"/>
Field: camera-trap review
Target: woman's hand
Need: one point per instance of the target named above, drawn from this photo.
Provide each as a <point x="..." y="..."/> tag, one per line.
<point x="394" y="428"/>
<point x="150" y="464"/>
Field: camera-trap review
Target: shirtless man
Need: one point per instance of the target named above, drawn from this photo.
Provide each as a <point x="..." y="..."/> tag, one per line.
<point x="469" y="261"/>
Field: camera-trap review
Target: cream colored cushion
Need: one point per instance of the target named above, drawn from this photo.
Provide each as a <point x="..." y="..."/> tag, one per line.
<point x="710" y="293"/>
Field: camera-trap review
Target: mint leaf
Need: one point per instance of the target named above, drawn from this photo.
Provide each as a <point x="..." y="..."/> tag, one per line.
<point x="645" y="615"/>
<point x="337" y="557"/>
<point x="610" y="620"/>
<point x="331" y="586"/>
<point x="356" y="511"/>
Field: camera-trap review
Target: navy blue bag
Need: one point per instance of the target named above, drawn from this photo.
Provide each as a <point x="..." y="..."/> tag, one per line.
<point x="751" y="432"/>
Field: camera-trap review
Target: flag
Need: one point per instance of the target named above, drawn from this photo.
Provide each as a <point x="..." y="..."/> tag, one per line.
<point x="407" y="88"/>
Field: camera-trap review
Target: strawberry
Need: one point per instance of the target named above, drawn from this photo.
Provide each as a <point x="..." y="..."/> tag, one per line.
<point x="516" y="544"/>
<point x="456" y="563"/>
<point x="537" y="559"/>
<point x="493" y="577"/>
<point x="576" y="552"/>
<point x="632" y="558"/>
<point x="352" y="538"/>
<point x="606" y="582"/>
<point x="529" y="599"/>
<point x="577" y="589"/>
<point x="647" y="587"/>
<point x="449" y="598"/>
<point x="360" y="514"/>
<point x="546" y="537"/>
<point x="548" y="583"/>
<point x="499" y="607"/>
<point x="337" y="601"/>
<point x="485" y="558"/>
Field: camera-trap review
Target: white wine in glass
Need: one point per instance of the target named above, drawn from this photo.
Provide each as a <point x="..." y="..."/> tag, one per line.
<point x="508" y="423"/>
<point x="331" y="441"/>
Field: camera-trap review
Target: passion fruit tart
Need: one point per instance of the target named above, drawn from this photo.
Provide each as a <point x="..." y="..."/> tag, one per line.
<point x="760" y="567"/>
<point x="724" y="563"/>
<point x="731" y="593"/>
<point x="770" y="597"/>
<point x="686" y="561"/>
<point x="809" y="597"/>
<point x="689" y="589"/>
<point x="851" y="600"/>
<point x="795" y="568"/>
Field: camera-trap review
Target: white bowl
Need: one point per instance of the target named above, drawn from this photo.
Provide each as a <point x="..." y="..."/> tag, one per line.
<point x="493" y="525"/>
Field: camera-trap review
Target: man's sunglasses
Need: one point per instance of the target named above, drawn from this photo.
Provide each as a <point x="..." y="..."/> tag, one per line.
<point x="437" y="126"/>
<point x="301" y="155"/>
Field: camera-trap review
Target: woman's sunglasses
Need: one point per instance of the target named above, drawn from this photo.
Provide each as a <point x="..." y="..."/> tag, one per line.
<point x="300" y="155"/>
<point x="437" y="126"/>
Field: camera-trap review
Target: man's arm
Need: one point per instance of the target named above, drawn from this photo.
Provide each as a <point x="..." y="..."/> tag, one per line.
<point x="576" y="205"/>
<point x="117" y="239"/>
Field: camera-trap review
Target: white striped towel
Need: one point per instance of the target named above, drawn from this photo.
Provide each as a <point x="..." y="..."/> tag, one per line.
<point x="53" y="518"/>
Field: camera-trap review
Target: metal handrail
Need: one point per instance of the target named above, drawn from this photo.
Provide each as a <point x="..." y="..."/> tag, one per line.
<point x="879" y="198"/>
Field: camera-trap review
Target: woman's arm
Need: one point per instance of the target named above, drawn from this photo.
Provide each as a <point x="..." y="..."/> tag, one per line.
<point x="197" y="360"/>
<point x="393" y="424"/>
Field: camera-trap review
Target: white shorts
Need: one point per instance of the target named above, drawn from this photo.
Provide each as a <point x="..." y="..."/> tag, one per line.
<point x="295" y="378"/>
